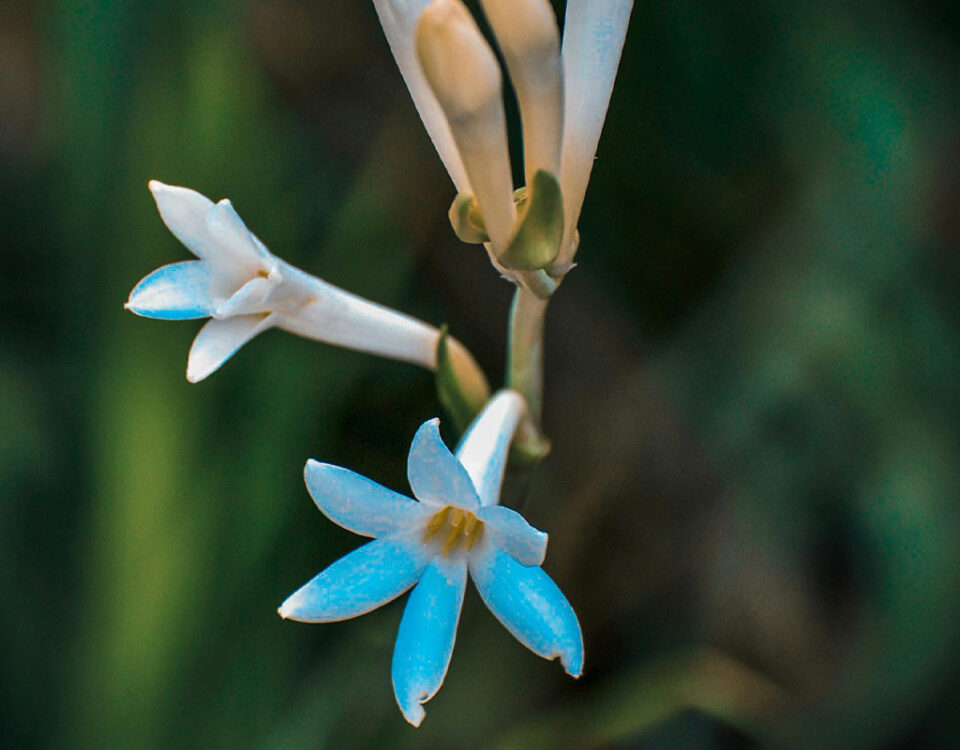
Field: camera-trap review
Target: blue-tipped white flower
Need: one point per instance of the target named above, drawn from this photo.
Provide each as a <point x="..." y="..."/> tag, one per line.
<point x="563" y="93"/>
<point x="245" y="290"/>
<point x="430" y="544"/>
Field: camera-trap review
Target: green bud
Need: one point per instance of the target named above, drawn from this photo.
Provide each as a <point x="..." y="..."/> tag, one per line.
<point x="536" y="242"/>
<point x="462" y="395"/>
<point x="467" y="220"/>
<point x="530" y="446"/>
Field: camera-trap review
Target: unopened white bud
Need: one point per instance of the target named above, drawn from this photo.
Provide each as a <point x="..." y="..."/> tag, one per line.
<point x="526" y="31"/>
<point x="463" y="72"/>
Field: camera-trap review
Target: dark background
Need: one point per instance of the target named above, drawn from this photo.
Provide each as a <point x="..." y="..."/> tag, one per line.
<point x="753" y="386"/>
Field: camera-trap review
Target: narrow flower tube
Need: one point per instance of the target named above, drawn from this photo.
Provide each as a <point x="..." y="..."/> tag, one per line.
<point x="463" y="72"/>
<point x="526" y="31"/>
<point x="593" y="35"/>
<point x="245" y="290"/>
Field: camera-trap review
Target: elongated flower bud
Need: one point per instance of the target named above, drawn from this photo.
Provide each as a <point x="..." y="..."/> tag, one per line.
<point x="593" y="35"/>
<point x="463" y="72"/>
<point x="526" y="31"/>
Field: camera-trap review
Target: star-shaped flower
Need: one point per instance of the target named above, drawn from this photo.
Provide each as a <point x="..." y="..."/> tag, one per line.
<point x="563" y="94"/>
<point x="457" y="526"/>
<point x="245" y="290"/>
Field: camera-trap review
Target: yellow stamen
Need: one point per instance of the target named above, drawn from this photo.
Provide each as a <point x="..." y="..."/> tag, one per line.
<point x="436" y="523"/>
<point x="462" y="525"/>
<point x="453" y="536"/>
<point x="472" y="530"/>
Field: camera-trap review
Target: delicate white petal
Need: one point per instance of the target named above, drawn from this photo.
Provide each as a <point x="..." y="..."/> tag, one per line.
<point x="179" y="291"/>
<point x="593" y="35"/>
<point x="324" y="312"/>
<point x="465" y="77"/>
<point x="427" y="634"/>
<point x="249" y="299"/>
<point x="484" y="449"/>
<point x="237" y="245"/>
<point x="219" y="339"/>
<point x="184" y="211"/>
<point x="367" y="578"/>
<point x="529" y="605"/>
<point x="360" y="504"/>
<point x="435" y="475"/>
<point x="399" y="21"/>
<point x="526" y="32"/>
<point x="511" y="532"/>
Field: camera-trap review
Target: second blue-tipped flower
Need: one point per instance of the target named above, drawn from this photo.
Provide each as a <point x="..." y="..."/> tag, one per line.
<point x="456" y="527"/>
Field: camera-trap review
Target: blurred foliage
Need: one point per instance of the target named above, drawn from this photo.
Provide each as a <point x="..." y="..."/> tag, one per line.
<point x="752" y="384"/>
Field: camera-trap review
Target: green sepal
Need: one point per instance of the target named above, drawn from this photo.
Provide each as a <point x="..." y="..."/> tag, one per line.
<point x="461" y="404"/>
<point x="536" y="243"/>
<point x="530" y="447"/>
<point x="467" y="220"/>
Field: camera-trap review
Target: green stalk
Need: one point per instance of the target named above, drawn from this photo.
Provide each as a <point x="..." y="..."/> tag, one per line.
<point x="525" y="368"/>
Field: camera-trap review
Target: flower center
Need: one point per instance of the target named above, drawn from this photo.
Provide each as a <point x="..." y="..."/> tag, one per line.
<point x="453" y="524"/>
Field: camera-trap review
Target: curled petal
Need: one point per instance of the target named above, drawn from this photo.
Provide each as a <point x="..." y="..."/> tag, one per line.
<point x="426" y="636"/>
<point x="399" y="21"/>
<point x="249" y="299"/>
<point x="184" y="211"/>
<point x="237" y="245"/>
<point x="435" y="475"/>
<point x="359" y="504"/>
<point x="218" y="340"/>
<point x="367" y="578"/>
<point x="484" y="448"/>
<point x="511" y="532"/>
<point x="179" y="291"/>
<point x="593" y="35"/>
<point x="529" y="605"/>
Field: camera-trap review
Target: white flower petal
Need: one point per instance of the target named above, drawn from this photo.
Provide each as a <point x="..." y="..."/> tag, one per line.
<point x="367" y="578"/>
<point x="184" y="211"/>
<point x="360" y="504"/>
<point x="399" y="21"/>
<point x="530" y="605"/>
<point x="218" y="340"/>
<point x="593" y="35"/>
<point x="484" y="448"/>
<point x="237" y="245"/>
<point x="435" y="475"/>
<point x="427" y="633"/>
<point x="511" y="532"/>
<point x="248" y="299"/>
<point x="465" y="77"/>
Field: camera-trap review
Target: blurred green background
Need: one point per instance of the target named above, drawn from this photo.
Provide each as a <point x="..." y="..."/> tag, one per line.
<point x="753" y="386"/>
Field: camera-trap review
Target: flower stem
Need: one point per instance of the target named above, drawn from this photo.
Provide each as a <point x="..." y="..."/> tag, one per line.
<point x="525" y="367"/>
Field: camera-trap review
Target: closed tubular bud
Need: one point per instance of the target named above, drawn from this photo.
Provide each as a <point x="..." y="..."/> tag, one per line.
<point x="526" y="32"/>
<point x="464" y="75"/>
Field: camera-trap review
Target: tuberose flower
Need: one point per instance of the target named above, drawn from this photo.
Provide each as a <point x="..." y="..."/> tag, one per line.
<point x="430" y="544"/>
<point x="563" y="93"/>
<point x="246" y="290"/>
